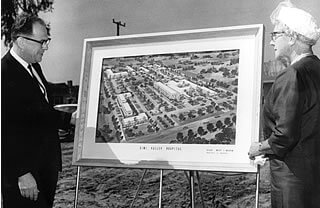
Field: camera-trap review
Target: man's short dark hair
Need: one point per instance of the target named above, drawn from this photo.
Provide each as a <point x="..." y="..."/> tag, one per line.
<point x="23" y="25"/>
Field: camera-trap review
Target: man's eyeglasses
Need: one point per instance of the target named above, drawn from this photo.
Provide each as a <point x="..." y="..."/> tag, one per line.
<point x="42" y="42"/>
<point x="275" y="35"/>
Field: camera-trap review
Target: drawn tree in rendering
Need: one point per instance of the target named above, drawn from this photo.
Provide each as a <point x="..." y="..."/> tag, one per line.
<point x="210" y="127"/>
<point x="180" y="136"/>
<point x="219" y="124"/>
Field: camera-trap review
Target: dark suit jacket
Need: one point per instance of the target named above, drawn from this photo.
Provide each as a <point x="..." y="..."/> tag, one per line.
<point x="292" y="119"/>
<point x="29" y="123"/>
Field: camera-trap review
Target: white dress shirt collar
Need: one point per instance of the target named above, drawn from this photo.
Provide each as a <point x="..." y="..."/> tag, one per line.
<point x="35" y="74"/>
<point x="20" y="60"/>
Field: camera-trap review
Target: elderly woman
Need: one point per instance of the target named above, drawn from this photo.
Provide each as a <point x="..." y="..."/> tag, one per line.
<point x="291" y="113"/>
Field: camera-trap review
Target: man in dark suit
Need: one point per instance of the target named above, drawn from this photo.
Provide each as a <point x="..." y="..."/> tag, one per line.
<point x="31" y="153"/>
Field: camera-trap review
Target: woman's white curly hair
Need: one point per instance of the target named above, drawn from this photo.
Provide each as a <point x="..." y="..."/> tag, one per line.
<point x="296" y="22"/>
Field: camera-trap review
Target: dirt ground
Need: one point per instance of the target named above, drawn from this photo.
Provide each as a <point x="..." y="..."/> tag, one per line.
<point x="113" y="188"/>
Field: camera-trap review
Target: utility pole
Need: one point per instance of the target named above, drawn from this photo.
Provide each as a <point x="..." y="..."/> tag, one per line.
<point x="118" y="25"/>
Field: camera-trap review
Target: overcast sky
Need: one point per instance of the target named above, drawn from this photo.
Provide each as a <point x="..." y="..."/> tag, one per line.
<point x="73" y="20"/>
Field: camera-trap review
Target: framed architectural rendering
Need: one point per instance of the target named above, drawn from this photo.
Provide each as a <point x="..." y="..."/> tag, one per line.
<point x="187" y="100"/>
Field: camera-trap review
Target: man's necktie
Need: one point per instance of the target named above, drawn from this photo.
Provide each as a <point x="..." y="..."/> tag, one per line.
<point x="42" y="88"/>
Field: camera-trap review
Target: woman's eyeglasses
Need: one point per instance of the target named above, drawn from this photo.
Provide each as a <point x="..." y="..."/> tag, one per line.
<point x="275" y="35"/>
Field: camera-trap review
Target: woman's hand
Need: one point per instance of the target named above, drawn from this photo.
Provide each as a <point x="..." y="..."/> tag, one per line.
<point x="255" y="150"/>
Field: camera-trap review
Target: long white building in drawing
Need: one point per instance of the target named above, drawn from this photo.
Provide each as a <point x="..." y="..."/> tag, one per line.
<point x="167" y="91"/>
<point x="134" y="120"/>
<point x="125" y="107"/>
<point x="112" y="75"/>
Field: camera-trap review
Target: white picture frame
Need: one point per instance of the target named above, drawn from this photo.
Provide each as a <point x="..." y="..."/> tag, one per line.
<point x="144" y="66"/>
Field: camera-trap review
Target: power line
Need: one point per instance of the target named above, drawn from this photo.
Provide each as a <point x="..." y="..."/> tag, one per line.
<point x="118" y="23"/>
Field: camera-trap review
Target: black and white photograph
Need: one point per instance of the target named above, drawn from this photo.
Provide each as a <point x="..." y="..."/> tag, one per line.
<point x="160" y="103"/>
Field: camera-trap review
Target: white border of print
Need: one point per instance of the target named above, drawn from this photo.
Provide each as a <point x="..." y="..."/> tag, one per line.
<point x="248" y="39"/>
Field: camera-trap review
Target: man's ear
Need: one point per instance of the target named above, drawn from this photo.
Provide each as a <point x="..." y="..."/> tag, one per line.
<point x="20" y="42"/>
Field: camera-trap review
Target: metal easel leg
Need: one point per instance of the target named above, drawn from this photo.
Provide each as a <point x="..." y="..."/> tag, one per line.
<point x="138" y="189"/>
<point x="187" y="176"/>
<point x="258" y="186"/>
<point x="77" y="187"/>
<point x="200" y="188"/>
<point x="191" y="172"/>
<point x="160" y="191"/>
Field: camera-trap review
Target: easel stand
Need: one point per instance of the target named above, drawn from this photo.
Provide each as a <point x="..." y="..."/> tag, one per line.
<point x="191" y="179"/>
<point x="191" y="184"/>
<point x="258" y="186"/>
<point x="77" y="187"/>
